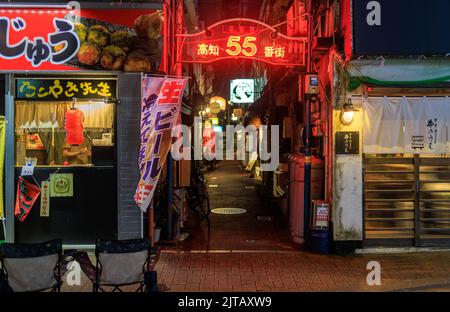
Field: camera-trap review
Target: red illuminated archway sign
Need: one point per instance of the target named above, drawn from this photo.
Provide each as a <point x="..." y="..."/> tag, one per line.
<point x="243" y="38"/>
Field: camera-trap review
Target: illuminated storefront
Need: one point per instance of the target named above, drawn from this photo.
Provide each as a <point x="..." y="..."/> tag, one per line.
<point x="390" y="126"/>
<point x="73" y="85"/>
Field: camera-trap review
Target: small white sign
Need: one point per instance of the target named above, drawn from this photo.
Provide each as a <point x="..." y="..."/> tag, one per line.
<point x="27" y="171"/>
<point x="322" y="216"/>
<point x="242" y="91"/>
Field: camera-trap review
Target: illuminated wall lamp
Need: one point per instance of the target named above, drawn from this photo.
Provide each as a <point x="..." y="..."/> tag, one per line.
<point x="348" y="113"/>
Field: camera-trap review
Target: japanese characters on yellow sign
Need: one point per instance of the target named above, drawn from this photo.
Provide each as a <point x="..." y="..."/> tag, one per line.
<point x="208" y="49"/>
<point x="64" y="89"/>
<point x="274" y="51"/>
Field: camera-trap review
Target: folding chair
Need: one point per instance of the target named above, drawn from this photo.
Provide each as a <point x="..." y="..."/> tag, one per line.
<point x="123" y="262"/>
<point x="32" y="267"/>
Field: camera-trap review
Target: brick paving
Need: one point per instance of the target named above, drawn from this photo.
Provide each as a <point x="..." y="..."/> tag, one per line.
<point x="296" y="271"/>
<point x="248" y="255"/>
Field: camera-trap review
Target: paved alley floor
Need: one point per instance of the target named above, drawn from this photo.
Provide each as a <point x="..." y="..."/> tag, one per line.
<point x="261" y="227"/>
<point x="244" y="253"/>
<point x="296" y="271"/>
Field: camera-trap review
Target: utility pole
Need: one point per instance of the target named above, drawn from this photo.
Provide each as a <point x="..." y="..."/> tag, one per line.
<point x="307" y="177"/>
<point x="169" y="24"/>
<point x="175" y="26"/>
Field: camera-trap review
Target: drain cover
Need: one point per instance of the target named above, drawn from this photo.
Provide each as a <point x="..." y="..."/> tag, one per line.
<point x="228" y="211"/>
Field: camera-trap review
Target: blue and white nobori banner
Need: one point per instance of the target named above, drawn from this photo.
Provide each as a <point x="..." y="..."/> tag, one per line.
<point x="160" y="108"/>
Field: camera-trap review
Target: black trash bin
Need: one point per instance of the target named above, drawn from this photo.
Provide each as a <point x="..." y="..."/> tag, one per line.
<point x="320" y="241"/>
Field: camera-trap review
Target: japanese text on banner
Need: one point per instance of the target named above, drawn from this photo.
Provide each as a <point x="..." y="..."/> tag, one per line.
<point x="160" y="108"/>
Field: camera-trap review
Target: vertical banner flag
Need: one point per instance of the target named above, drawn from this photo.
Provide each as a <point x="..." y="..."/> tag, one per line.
<point x="2" y="158"/>
<point x="45" y="199"/>
<point x="27" y="194"/>
<point x="160" y="108"/>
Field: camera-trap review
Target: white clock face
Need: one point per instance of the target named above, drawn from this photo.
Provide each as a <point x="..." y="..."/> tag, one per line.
<point x="242" y="91"/>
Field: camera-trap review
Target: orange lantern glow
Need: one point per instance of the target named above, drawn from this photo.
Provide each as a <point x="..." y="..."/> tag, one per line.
<point x="219" y="100"/>
<point x="74" y="127"/>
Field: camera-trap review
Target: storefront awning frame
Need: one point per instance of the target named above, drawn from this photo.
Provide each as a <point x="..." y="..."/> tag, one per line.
<point x="413" y="72"/>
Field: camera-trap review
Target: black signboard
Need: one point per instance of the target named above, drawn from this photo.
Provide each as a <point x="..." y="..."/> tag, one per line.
<point x="347" y="142"/>
<point x="65" y="89"/>
<point x="401" y="27"/>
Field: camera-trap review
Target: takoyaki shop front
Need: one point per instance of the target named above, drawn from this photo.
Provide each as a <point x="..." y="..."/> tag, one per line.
<point x="70" y="107"/>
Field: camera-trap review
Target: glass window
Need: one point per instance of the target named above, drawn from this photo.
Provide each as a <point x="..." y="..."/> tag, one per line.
<point x="41" y="135"/>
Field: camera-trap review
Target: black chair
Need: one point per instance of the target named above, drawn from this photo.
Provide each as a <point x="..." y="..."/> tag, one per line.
<point x="32" y="267"/>
<point x="124" y="262"/>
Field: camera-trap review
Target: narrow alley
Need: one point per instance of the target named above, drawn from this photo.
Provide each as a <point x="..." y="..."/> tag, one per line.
<point x="261" y="227"/>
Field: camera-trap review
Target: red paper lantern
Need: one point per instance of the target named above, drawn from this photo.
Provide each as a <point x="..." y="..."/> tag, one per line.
<point x="74" y="127"/>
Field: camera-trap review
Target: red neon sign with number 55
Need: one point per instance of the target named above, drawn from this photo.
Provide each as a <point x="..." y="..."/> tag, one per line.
<point x="248" y="48"/>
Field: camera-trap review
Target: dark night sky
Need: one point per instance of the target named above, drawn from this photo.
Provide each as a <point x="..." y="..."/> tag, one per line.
<point x="212" y="11"/>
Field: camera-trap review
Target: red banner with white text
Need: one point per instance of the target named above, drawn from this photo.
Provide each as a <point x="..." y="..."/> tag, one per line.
<point x="109" y="39"/>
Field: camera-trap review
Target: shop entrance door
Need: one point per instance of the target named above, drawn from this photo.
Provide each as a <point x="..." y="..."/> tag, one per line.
<point x="406" y="201"/>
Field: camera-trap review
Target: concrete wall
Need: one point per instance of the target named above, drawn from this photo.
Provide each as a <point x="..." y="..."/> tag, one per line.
<point x="347" y="201"/>
<point x="347" y="186"/>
